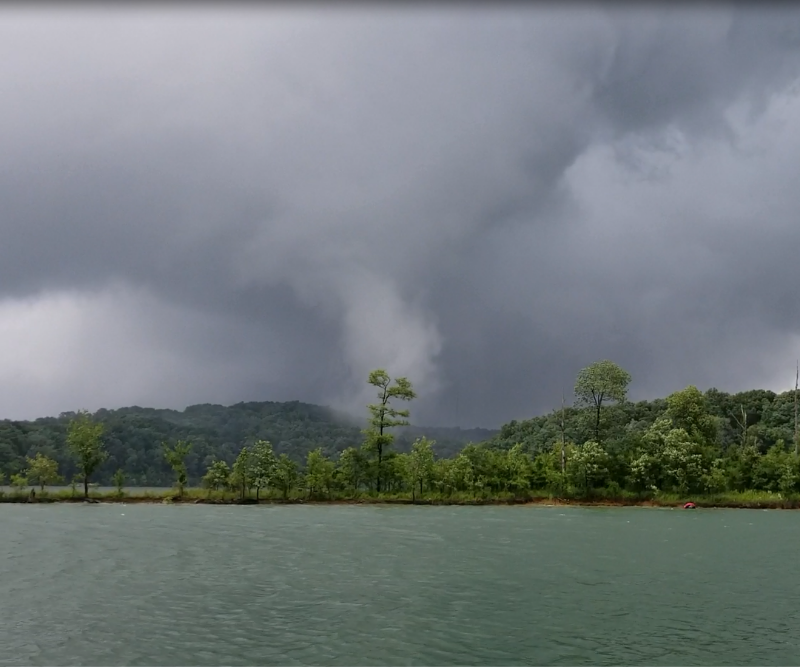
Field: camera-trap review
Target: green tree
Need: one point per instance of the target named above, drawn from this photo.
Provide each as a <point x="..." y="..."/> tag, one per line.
<point x="285" y="475"/>
<point x="419" y="465"/>
<point x="546" y="472"/>
<point x="352" y="468"/>
<point x="319" y="473"/>
<point x="119" y="481"/>
<point x="587" y="465"/>
<point x="599" y="383"/>
<point x="672" y="460"/>
<point x="242" y="473"/>
<point x="85" y="441"/>
<point x="263" y="465"/>
<point x="461" y="474"/>
<point x="517" y="473"/>
<point x="176" y="457"/>
<point x="441" y="475"/>
<point x="682" y="462"/>
<point x="19" y="481"/>
<point x="688" y="410"/>
<point x="217" y="476"/>
<point x="42" y="471"/>
<point x="384" y="416"/>
<point x="746" y="464"/>
<point x="454" y="475"/>
<point x="393" y="473"/>
<point x="716" y="479"/>
<point x="645" y="472"/>
<point x="776" y="470"/>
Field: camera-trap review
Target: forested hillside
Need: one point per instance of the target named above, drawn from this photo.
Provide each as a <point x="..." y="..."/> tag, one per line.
<point x="134" y="437"/>
<point x="758" y="418"/>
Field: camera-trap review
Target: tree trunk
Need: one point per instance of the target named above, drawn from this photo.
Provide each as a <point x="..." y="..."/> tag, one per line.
<point x="384" y="401"/>
<point x="85" y="485"/>
<point x="380" y="459"/>
<point x="258" y="489"/>
<point x="597" y="425"/>
<point x="744" y="427"/>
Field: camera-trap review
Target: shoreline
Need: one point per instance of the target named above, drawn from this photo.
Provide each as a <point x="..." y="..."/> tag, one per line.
<point x="700" y="503"/>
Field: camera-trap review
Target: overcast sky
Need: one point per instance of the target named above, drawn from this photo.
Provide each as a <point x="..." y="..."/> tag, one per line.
<point x="222" y="204"/>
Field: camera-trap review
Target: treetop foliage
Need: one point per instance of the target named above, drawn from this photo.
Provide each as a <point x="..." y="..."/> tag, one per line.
<point x="602" y="381"/>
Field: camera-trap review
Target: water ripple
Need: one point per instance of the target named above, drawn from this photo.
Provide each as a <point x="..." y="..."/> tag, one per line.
<point x="161" y="585"/>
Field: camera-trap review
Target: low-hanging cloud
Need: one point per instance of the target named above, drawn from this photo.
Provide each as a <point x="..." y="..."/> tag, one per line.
<point x="265" y="203"/>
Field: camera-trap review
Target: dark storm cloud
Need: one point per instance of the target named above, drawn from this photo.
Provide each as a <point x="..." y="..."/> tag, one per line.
<point x="486" y="200"/>
<point x="687" y="67"/>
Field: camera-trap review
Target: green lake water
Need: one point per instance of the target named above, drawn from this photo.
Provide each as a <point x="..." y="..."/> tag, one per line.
<point x="369" y="585"/>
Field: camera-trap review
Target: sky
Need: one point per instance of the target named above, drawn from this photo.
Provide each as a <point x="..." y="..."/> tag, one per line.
<point x="223" y="203"/>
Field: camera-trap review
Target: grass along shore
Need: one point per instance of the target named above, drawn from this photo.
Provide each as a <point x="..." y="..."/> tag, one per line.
<point x="743" y="500"/>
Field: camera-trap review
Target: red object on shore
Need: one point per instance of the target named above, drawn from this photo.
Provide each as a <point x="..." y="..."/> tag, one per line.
<point x="689" y="506"/>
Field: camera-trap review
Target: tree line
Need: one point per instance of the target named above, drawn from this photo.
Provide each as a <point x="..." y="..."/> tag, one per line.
<point x="688" y="443"/>
<point x="133" y="438"/>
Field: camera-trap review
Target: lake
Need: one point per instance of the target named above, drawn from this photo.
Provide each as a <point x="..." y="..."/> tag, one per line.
<point x="371" y="585"/>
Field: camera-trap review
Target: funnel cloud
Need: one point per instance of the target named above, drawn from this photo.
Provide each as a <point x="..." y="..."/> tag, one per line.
<point x="208" y="204"/>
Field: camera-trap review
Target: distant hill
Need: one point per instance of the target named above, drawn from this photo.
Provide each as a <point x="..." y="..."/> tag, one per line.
<point x="134" y="436"/>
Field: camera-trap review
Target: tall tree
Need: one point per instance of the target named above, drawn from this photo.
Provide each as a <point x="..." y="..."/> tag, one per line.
<point x="242" y="474"/>
<point x="384" y="416"/>
<point x="599" y="383"/>
<point x="176" y="457"/>
<point x="285" y="474"/>
<point x="263" y="465"/>
<point x="85" y="441"/>
<point x="420" y="464"/>
<point x="319" y="473"/>
<point x="742" y="424"/>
